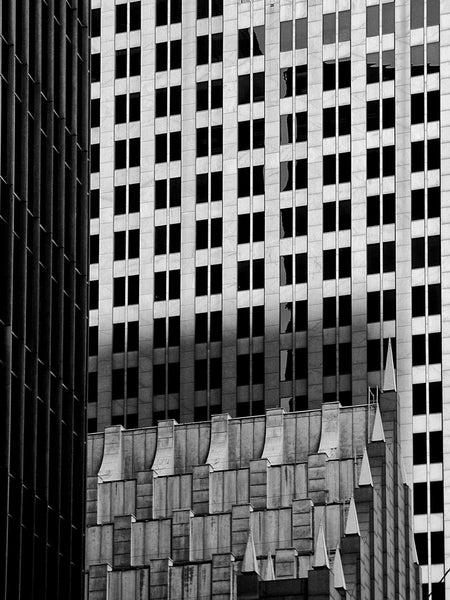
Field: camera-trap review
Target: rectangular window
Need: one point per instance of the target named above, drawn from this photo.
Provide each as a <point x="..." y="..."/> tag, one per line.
<point x="373" y="21"/>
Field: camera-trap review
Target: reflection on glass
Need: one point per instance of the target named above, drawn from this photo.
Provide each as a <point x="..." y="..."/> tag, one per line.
<point x="329" y="28"/>
<point x="244" y="43"/>
<point x="286" y="317"/>
<point x="285" y="129"/>
<point x="344" y="25"/>
<point x="301" y="80"/>
<point x="286" y="82"/>
<point x="432" y="13"/>
<point x="258" y="40"/>
<point x="286" y="223"/>
<point x="388" y="18"/>
<point x="416" y="14"/>
<point x="286" y="270"/>
<point x="286" y="176"/>
<point x="286" y="365"/>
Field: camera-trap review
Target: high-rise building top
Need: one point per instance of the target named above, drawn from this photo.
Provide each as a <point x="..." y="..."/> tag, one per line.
<point x="267" y="215"/>
<point x="301" y="505"/>
<point x="44" y="145"/>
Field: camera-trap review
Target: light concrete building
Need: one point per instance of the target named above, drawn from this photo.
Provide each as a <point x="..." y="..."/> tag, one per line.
<point x="299" y="505"/>
<point x="266" y="215"/>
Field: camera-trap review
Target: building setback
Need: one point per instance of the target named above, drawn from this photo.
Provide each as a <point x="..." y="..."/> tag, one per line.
<point x="266" y="215"/>
<point x="44" y="144"/>
<point x="288" y="505"/>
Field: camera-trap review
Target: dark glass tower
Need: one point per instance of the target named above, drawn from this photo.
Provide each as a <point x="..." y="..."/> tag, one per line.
<point x="44" y="135"/>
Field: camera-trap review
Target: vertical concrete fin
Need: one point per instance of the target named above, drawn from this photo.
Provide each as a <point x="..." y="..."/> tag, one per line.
<point x="268" y="571"/>
<point x="111" y="468"/>
<point x="164" y="461"/>
<point x="378" y="429"/>
<point x="218" y="447"/>
<point x="250" y="562"/>
<point x="329" y="436"/>
<point x="273" y="443"/>
<point x="338" y="572"/>
<point x="365" y="475"/>
<point x="352" y="523"/>
<point x="320" y="550"/>
<point x="389" y="381"/>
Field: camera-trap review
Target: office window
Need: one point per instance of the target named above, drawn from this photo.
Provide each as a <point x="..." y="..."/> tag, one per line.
<point x="329" y="312"/>
<point x="301" y="80"/>
<point x="344" y="215"/>
<point x="433" y="58"/>
<point x="329" y="28"/>
<point x="418" y="301"/>
<point x="388" y="65"/>
<point x="329" y="216"/>
<point x="417" y="204"/>
<point x="285" y="82"/>
<point x="436" y="496"/>
<point x="373" y="68"/>
<point x="373" y="115"/>
<point x="388" y="12"/>
<point x="345" y="167"/>
<point x="419" y="449"/>
<point x="418" y="253"/>
<point x="418" y="350"/>
<point x="433" y="12"/>
<point x="373" y="258"/>
<point x="329" y="75"/>
<point x="119" y="245"/>
<point x="175" y="54"/>
<point x="373" y="355"/>
<point x="388" y="257"/>
<point x="373" y="307"/>
<point x="345" y="262"/>
<point x="118" y="337"/>
<point x="344" y="21"/>
<point x="434" y="348"/>
<point x="417" y="61"/>
<point x="329" y="169"/>
<point x="372" y="21"/>
<point x="389" y="305"/>
<point x="329" y="360"/>
<point x="417" y="108"/>
<point x="329" y="122"/>
<point x="417" y="14"/>
<point x="344" y="72"/>
<point x="434" y="154"/>
<point x="433" y="106"/>
<point x="301" y="33"/>
<point x="329" y="264"/>
<point x="344" y="119"/>
<point x="286" y="36"/>
<point x="161" y="56"/>
<point x="434" y="299"/>
<point x="135" y="61"/>
<point x="373" y="163"/>
<point x="135" y="16"/>
<point x="134" y="149"/>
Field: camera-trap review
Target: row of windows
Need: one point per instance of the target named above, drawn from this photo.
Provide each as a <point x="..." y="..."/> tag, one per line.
<point x="122" y="249"/>
<point x="293" y="34"/>
<point x="329" y="27"/>
<point x="418" y="13"/>
<point x="251" y="41"/>
<point x="387" y="19"/>
<point x="168" y="11"/>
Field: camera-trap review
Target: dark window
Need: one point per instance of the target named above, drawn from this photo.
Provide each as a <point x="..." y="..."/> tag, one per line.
<point x="202" y="95"/>
<point x="434" y="202"/>
<point x="216" y="326"/>
<point x="285" y="82"/>
<point x="201" y="234"/>
<point x="118" y="383"/>
<point x="175" y="54"/>
<point x="417" y="108"/>
<point x="202" y="50"/>
<point x="286" y="270"/>
<point x="135" y="107"/>
<point x="285" y="223"/>
<point x="135" y="16"/>
<point x="301" y="220"/>
<point x="286" y="176"/>
<point x="133" y="336"/>
<point x="216" y="279"/>
<point x="301" y="268"/>
<point x="344" y="72"/>
<point x="175" y="145"/>
<point x="329" y="312"/>
<point x="95" y="112"/>
<point x="244" y="43"/>
<point x="119" y="337"/>
<point x="433" y="12"/>
<point x="329" y="169"/>
<point x="388" y="208"/>
<point x="93" y="249"/>
<point x="174" y="237"/>
<point x="373" y="258"/>
<point x="244" y="182"/>
<point x="436" y="496"/>
<point x="160" y="286"/>
<point x="434" y="250"/>
<point x="329" y="122"/>
<point x="418" y="253"/>
<point x="161" y="12"/>
<point x="202" y="141"/>
<point x="216" y="47"/>
<point x="258" y="273"/>
<point x="373" y="355"/>
<point x="388" y="113"/>
<point x="174" y="285"/>
<point x="344" y="119"/>
<point x="388" y="161"/>
<point x="329" y="216"/>
<point x="285" y="36"/>
<point x="243" y="369"/>
<point x="134" y="158"/>
<point x="434" y="348"/>
<point x="345" y="358"/>
<point x="345" y="214"/>
<point x="420" y="498"/>
<point x="133" y="289"/>
<point x="418" y="350"/>
<point x="345" y="262"/>
<point x="433" y="106"/>
<point x="373" y="68"/>
<point x="434" y="154"/>
<point x="436" y="446"/>
<point x="160" y="102"/>
<point x="160" y="147"/>
<point x="119" y="245"/>
<point x="175" y="100"/>
<point x="373" y="307"/>
<point x="373" y="163"/>
<point x="174" y="331"/>
<point x="121" y="18"/>
<point x="201" y="328"/>
<point x="388" y="18"/>
<point x="419" y="399"/>
<point x="329" y="360"/>
<point x="418" y="301"/>
<point x="258" y="87"/>
<point x="437" y="546"/>
<point x="422" y="547"/>
<point x="329" y="264"/>
<point x="258" y="227"/>
<point x="329" y="75"/>
<point x="345" y="167"/>
<point x="389" y="305"/>
<point x="119" y="291"/>
<point x="434" y="299"/>
<point x="93" y="341"/>
<point x="93" y="294"/>
<point x="417" y="204"/>
<point x="135" y="61"/>
<point x="159" y="380"/>
<point x="435" y="398"/>
<point x="301" y="79"/>
<point x="161" y="56"/>
<point x="258" y="133"/>
<point x="243" y="322"/>
<point x="388" y="65"/>
<point x="388" y="257"/>
<point x="244" y="89"/>
<point x="216" y="93"/>
<point x="95" y="67"/>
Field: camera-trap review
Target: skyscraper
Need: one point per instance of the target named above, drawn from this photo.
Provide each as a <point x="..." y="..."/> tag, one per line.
<point x="44" y="58"/>
<point x="267" y="215"/>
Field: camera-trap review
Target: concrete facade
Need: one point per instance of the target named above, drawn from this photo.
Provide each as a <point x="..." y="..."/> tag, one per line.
<point x="334" y="243"/>
<point x="306" y="505"/>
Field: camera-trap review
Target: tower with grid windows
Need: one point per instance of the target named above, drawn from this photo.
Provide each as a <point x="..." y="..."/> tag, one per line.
<point x="44" y="219"/>
<point x="267" y="222"/>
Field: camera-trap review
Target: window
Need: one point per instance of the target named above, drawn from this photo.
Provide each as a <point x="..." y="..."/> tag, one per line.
<point x="417" y="204"/>
<point x="135" y="16"/>
<point x="118" y="337"/>
<point x="329" y="312"/>
<point x="344" y="72"/>
<point x="434" y="154"/>
<point x="160" y="286"/>
<point x="329" y="122"/>
<point x="418" y="350"/>
<point x="433" y="106"/>
<point x="373" y="258"/>
<point x="345" y="262"/>
<point x="329" y="264"/>
<point x="434" y="202"/>
<point x="301" y="79"/>
<point x="373" y="163"/>
<point x="329" y="216"/>
<point x="417" y="14"/>
<point x="344" y="19"/>
<point x="388" y="257"/>
<point x="344" y="119"/>
<point x="135" y="107"/>
<point x="286" y="36"/>
<point x="301" y="33"/>
<point x="285" y="82"/>
<point x="418" y="253"/>
<point x="134" y="158"/>
<point x="388" y="18"/>
<point x="135" y="61"/>
<point x="161" y="56"/>
<point x="329" y="360"/>
<point x="417" y="61"/>
<point x="433" y="58"/>
<point x="389" y="305"/>
<point x="329" y="169"/>
<point x="388" y="65"/>
<point x="373" y="68"/>
<point x="417" y="108"/>
<point x="434" y="299"/>
<point x="344" y="215"/>
<point x="372" y="21"/>
<point x="418" y="301"/>
<point x="373" y="307"/>
<point x="345" y="167"/>
<point x="329" y="75"/>
<point x="329" y="28"/>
